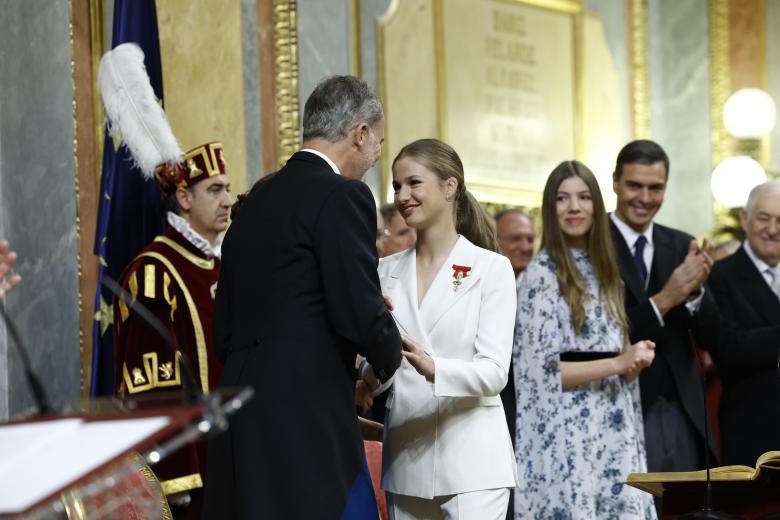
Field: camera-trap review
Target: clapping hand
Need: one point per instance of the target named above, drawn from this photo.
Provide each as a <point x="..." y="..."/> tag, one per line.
<point x="636" y="358"/>
<point x="7" y="260"/>
<point x="686" y="280"/>
<point x="416" y="356"/>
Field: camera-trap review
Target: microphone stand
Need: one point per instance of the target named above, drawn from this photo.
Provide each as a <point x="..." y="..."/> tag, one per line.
<point x="39" y="394"/>
<point x="707" y="512"/>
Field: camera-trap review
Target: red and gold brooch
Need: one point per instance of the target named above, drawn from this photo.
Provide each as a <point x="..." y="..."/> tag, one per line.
<point x="459" y="272"/>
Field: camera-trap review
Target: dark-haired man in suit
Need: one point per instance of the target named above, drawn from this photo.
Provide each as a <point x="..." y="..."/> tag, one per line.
<point x="746" y="286"/>
<point x="666" y="302"/>
<point x="298" y="299"/>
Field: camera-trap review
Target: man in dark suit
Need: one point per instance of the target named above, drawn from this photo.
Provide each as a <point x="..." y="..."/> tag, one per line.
<point x="666" y="302"/>
<point x="746" y="286"/>
<point x="515" y="233"/>
<point x="298" y="298"/>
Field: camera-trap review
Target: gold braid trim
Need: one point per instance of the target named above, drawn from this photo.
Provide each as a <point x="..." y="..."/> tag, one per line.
<point x="200" y="337"/>
<point x="185" y="483"/>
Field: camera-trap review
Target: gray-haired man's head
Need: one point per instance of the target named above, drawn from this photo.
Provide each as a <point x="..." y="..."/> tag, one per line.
<point x="343" y="119"/>
<point x="761" y="222"/>
<point x="337" y="105"/>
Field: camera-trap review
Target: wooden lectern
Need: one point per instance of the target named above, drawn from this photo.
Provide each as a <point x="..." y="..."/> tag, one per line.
<point x="751" y="493"/>
<point x="90" y="461"/>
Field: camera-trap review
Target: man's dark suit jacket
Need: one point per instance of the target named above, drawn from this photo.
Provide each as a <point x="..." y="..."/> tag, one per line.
<point x="298" y="298"/>
<point x="673" y="372"/>
<point x="747" y="359"/>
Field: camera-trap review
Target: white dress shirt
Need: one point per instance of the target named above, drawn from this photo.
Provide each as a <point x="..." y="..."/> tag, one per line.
<point x="324" y="157"/>
<point x="762" y="266"/>
<point x="631" y="236"/>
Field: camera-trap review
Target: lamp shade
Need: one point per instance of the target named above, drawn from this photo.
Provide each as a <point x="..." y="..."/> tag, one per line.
<point x="733" y="179"/>
<point x="749" y="113"/>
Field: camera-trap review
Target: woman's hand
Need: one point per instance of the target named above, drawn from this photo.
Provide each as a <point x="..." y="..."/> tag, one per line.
<point x="388" y="301"/>
<point x="636" y="358"/>
<point x="416" y="356"/>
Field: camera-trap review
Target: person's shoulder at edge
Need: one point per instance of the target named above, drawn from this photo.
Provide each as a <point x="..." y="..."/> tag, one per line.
<point x="725" y="266"/>
<point x="541" y="266"/>
<point x="677" y="235"/>
<point x="388" y="263"/>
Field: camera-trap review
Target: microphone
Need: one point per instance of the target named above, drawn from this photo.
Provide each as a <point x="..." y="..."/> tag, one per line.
<point x="706" y="513"/>
<point x="191" y="389"/>
<point x="39" y="394"/>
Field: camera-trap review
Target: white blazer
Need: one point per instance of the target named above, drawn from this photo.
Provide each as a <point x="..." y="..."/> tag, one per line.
<point x="450" y="436"/>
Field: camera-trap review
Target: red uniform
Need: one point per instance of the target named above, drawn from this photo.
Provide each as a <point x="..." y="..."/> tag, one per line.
<point x="177" y="283"/>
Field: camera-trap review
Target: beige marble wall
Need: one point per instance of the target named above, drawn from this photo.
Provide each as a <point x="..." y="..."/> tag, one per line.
<point x="604" y="124"/>
<point x="201" y="47"/>
<point x="407" y="76"/>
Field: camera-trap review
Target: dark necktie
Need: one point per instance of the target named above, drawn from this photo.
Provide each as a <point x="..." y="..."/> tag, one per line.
<point x="639" y="260"/>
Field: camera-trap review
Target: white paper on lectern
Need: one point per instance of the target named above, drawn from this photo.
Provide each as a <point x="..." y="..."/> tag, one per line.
<point x="38" y="459"/>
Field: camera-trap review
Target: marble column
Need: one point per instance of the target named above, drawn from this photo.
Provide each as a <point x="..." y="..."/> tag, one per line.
<point x="37" y="190"/>
<point x="680" y="110"/>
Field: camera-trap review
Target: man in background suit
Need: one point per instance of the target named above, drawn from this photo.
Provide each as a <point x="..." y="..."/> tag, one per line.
<point x="298" y="298"/>
<point x="746" y="286"/>
<point x="515" y="232"/>
<point x="400" y="237"/>
<point x="666" y="302"/>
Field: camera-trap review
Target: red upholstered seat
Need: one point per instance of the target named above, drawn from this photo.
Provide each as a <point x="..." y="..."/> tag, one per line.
<point x="374" y="460"/>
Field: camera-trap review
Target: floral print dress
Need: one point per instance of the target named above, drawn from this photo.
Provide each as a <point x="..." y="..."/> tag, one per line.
<point x="574" y="447"/>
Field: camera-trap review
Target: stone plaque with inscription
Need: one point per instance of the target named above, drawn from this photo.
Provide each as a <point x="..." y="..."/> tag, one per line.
<point x="508" y="96"/>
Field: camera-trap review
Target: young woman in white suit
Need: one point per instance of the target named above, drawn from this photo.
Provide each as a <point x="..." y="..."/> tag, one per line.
<point x="447" y="452"/>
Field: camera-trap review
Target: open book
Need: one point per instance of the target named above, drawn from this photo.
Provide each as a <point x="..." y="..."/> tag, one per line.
<point x="654" y="482"/>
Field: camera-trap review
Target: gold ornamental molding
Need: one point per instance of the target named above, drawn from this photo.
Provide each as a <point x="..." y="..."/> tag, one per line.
<point x="74" y="112"/>
<point x="640" y="83"/>
<point x="97" y="45"/>
<point x="356" y="37"/>
<point x="286" y="77"/>
<point x="720" y="77"/>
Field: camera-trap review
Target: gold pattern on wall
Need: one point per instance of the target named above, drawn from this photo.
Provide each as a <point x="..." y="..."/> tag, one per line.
<point x="720" y="77"/>
<point x="640" y="84"/>
<point x="76" y="184"/>
<point x="357" y="35"/>
<point x="286" y="77"/>
<point x="96" y="11"/>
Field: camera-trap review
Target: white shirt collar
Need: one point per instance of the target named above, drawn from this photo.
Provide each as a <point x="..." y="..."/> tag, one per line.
<point x="760" y="264"/>
<point x="192" y="236"/>
<point x="324" y="157"/>
<point x="629" y="234"/>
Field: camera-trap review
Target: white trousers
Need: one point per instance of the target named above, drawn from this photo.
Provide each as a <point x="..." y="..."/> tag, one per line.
<point x="487" y="504"/>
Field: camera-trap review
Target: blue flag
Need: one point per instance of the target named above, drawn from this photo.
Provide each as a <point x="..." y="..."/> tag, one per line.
<point x="130" y="212"/>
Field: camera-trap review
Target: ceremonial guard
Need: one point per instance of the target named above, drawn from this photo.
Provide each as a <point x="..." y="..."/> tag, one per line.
<point x="175" y="277"/>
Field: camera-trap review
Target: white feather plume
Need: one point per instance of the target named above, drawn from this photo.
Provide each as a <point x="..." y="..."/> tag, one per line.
<point x="133" y="110"/>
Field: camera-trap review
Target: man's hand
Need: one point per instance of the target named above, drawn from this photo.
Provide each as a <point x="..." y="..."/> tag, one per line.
<point x="416" y="356"/>
<point x="364" y="396"/>
<point x="685" y="280"/>
<point x="7" y="260"/>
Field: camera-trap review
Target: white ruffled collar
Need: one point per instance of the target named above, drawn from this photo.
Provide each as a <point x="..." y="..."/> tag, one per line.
<point x="192" y="236"/>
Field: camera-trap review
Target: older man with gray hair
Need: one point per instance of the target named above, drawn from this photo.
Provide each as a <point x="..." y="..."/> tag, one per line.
<point x="298" y="299"/>
<point x="746" y="286"/>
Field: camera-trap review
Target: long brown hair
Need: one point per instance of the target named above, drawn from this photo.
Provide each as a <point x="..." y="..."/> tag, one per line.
<point x="599" y="241"/>
<point x="471" y="220"/>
